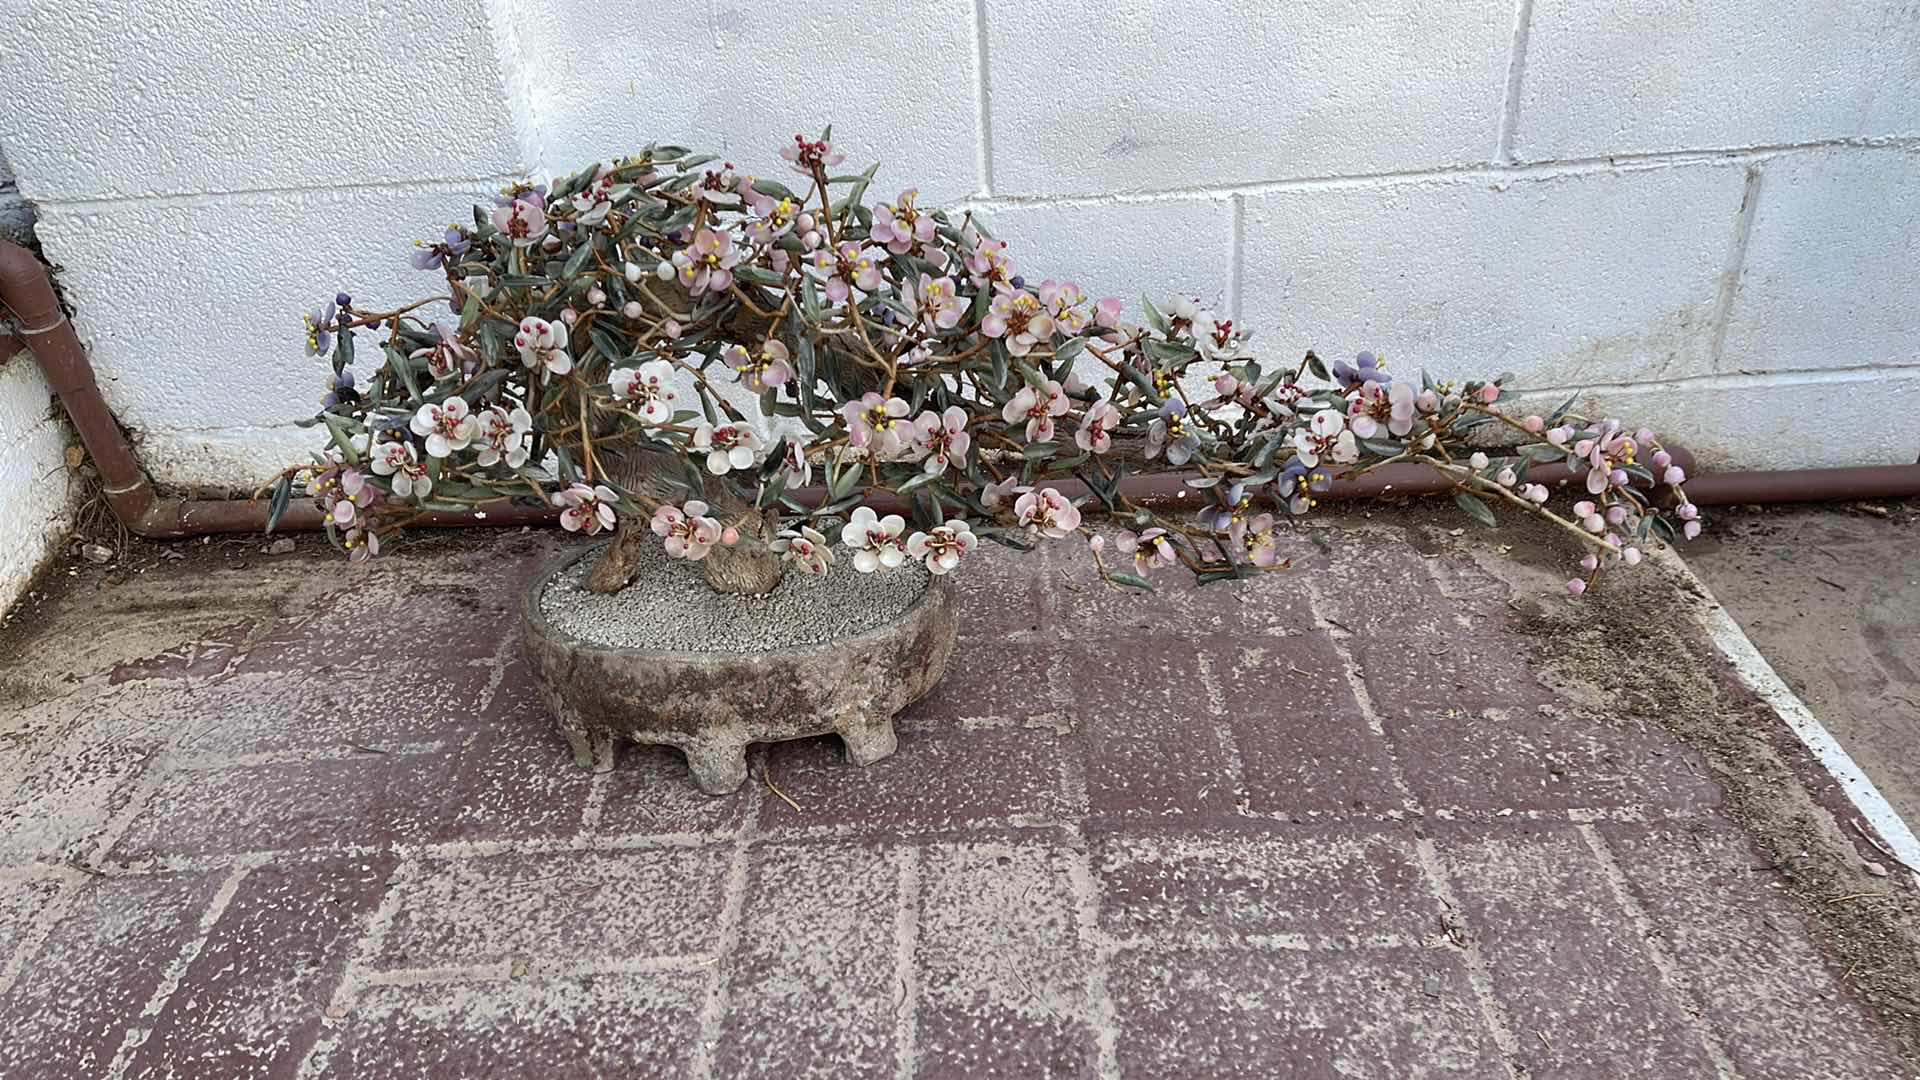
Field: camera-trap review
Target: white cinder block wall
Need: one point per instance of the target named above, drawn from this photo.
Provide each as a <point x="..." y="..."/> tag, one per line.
<point x="1705" y="211"/>
<point x="35" y="500"/>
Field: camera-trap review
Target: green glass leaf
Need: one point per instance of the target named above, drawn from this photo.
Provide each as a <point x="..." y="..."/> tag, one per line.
<point x="339" y="429"/>
<point x="277" y="507"/>
<point x="403" y="367"/>
<point x="1474" y="508"/>
<point x="1154" y="318"/>
<point x="1565" y="407"/>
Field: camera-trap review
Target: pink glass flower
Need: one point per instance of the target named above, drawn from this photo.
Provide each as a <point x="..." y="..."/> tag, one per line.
<point x="543" y="345"/>
<point x="707" y="266"/>
<point x="759" y="371"/>
<point x="1095" y="434"/>
<point x="942" y="547"/>
<point x="1037" y="408"/>
<point x="446" y="356"/>
<point x="942" y="437"/>
<point x="399" y="461"/>
<point x="900" y="226"/>
<point x="875" y="540"/>
<point x="874" y="422"/>
<point x="1018" y="318"/>
<point x="524" y="222"/>
<point x="687" y="530"/>
<point x="503" y="436"/>
<point x="446" y="425"/>
<point x="728" y="446"/>
<point x="648" y="387"/>
<point x="842" y="269"/>
<point x="805" y="548"/>
<point x="806" y="155"/>
<point x="987" y="262"/>
<point x="934" y="301"/>
<point x="1047" y="512"/>
<point x="1263" y="544"/>
<point x="1150" y="549"/>
<point x="589" y="509"/>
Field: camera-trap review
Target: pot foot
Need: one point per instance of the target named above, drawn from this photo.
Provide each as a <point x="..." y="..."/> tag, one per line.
<point x="869" y="739"/>
<point x="719" y="768"/>
<point x="593" y="745"/>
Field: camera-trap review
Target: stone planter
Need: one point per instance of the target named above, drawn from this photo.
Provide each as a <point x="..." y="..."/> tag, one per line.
<point x="712" y="704"/>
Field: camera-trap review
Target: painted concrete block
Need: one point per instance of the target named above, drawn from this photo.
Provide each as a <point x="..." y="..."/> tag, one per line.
<point x="1563" y="280"/>
<point x="1802" y="421"/>
<point x="171" y="97"/>
<point x="1832" y="265"/>
<point x="1652" y="75"/>
<point x="193" y="310"/>
<point x="1126" y="249"/>
<point x="895" y="78"/>
<point x="34" y="490"/>
<point x="1093" y="97"/>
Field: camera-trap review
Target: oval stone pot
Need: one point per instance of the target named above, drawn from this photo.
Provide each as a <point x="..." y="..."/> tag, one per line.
<point x="712" y="704"/>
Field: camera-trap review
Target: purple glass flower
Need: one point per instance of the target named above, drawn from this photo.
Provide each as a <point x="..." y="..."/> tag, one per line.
<point x="1171" y="432"/>
<point x="1221" y="518"/>
<point x="1364" y="369"/>
<point x="320" y="329"/>
<point x="433" y="256"/>
<point x="340" y="391"/>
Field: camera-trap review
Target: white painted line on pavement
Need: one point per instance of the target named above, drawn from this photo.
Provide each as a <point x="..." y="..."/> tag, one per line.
<point x="1758" y="674"/>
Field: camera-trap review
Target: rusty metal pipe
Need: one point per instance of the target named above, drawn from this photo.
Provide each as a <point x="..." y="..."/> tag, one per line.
<point x="1806" y="485"/>
<point x="49" y="337"/>
<point x="26" y="288"/>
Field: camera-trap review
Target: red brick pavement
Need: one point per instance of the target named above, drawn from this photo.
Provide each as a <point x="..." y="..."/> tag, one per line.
<point x="1247" y="831"/>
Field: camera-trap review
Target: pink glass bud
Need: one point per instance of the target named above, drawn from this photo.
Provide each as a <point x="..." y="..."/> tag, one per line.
<point x="1098" y="543"/>
<point x="1534" y="424"/>
<point x="569" y="316"/>
<point x="1576" y="586"/>
<point x="1690" y="530"/>
<point x="633" y="310"/>
<point x="1583" y="509"/>
<point x="1489" y="393"/>
<point x="1616" y="514"/>
<point x="1632" y="556"/>
<point x="729" y="536"/>
<point x="596" y="297"/>
<point x="1589" y="562"/>
<point x="1674" y="475"/>
<point x="1662" y="459"/>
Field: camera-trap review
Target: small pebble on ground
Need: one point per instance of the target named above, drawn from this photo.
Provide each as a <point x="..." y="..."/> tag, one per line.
<point x="670" y="606"/>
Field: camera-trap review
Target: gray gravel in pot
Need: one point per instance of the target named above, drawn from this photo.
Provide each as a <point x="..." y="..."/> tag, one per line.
<point x="669" y="606"/>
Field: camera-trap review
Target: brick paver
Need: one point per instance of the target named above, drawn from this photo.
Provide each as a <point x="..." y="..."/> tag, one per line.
<point x="1312" y="826"/>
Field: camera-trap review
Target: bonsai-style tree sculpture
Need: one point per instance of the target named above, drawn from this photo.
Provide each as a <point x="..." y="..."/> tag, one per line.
<point x="610" y="336"/>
